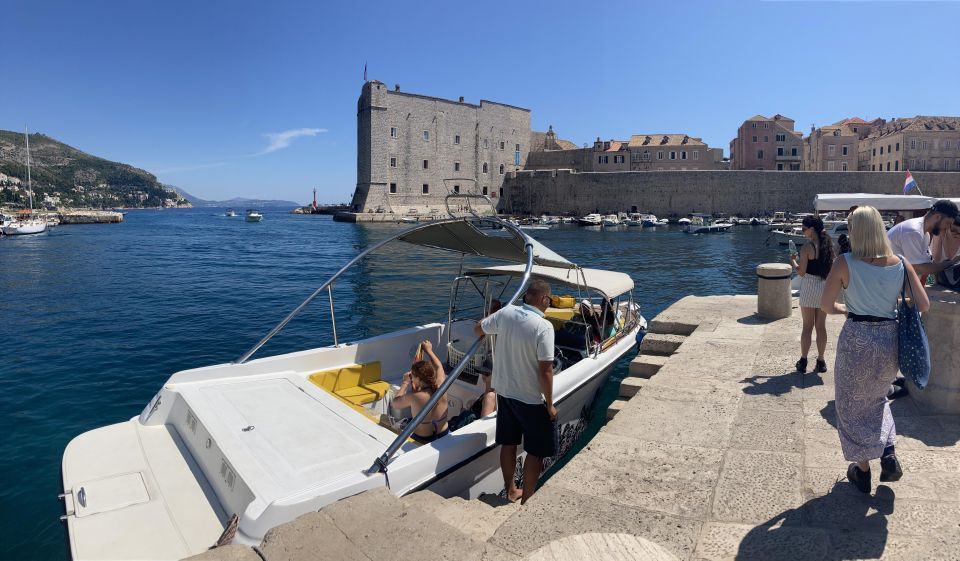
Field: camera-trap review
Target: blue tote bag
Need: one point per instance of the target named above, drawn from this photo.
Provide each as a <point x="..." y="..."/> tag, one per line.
<point x="914" y="350"/>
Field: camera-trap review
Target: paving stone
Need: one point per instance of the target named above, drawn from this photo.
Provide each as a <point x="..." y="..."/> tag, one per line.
<point x="822" y="449"/>
<point x="615" y="407"/>
<point x="646" y="366"/>
<point x="728" y="542"/>
<point x="686" y="423"/>
<point x="667" y="326"/>
<point x="656" y="476"/>
<point x="776" y="431"/>
<point x="928" y="461"/>
<point x="880" y="545"/>
<point x="921" y="433"/>
<point x="630" y="386"/>
<point x="311" y="536"/>
<point x="678" y="388"/>
<point x="601" y="545"/>
<point x="555" y="512"/>
<point x="656" y="344"/>
<point x="494" y="553"/>
<point x="756" y="486"/>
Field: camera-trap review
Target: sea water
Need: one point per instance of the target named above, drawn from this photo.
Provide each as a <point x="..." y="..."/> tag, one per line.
<point x="95" y="318"/>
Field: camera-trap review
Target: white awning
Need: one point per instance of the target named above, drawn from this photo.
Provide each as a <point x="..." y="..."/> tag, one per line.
<point x="464" y="237"/>
<point x="610" y="283"/>
<point x="843" y="201"/>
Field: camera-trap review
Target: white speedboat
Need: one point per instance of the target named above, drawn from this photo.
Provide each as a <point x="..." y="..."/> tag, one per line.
<point x="704" y="224"/>
<point x="649" y="221"/>
<point x="684" y="221"/>
<point x="230" y="213"/>
<point x="254" y="216"/>
<point x="25" y="222"/>
<point x="610" y="220"/>
<point x="52" y="220"/>
<point x="592" y="219"/>
<point x="260" y="442"/>
<point x="834" y="229"/>
<point x="633" y="219"/>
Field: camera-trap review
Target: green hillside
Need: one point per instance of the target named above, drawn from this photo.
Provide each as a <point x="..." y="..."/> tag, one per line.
<point x="75" y="178"/>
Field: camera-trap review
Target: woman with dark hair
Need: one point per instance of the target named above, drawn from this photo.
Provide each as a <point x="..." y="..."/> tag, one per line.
<point x="418" y="386"/>
<point x="815" y="260"/>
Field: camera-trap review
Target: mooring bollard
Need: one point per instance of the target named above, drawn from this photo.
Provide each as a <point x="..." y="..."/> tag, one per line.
<point x="773" y="290"/>
<point x="942" y="324"/>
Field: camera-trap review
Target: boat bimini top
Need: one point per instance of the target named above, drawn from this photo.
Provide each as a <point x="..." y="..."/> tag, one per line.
<point x="609" y="283"/>
<point x="832" y="202"/>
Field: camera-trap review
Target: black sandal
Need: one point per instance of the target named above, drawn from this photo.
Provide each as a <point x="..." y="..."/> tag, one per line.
<point x="890" y="468"/>
<point x="801" y="365"/>
<point x="821" y="365"/>
<point x="861" y="479"/>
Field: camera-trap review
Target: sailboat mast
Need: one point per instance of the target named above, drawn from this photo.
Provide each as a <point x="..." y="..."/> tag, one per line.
<point x="26" y="134"/>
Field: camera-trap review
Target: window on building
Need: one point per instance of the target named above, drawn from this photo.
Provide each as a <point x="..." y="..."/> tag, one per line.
<point x="425" y="188"/>
<point x="502" y="146"/>
<point x="781" y="137"/>
<point x="923" y="164"/>
<point x="659" y="154"/>
<point x="426" y="164"/>
<point x="831" y="150"/>
<point x="456" y="188"/>
<point x="881" y="150"/>
<point x="501" y="169"/>
<point x="754" y="138"/>
<point x="843" y="166"/>
<point x="393" y="162"/>
<point x="618" y="159"/>
<point x="898" y="147"/>
<point x="896" y="165"/>
<point x="516" y="147"/>
<point x="779" y="167"/>
<point x="873" y="167"/>
<point x="923" y="144"/>
<point x="456" y="166"/>
<point x="484" y="167"/>
<point x="753" y="125"/>
<point x="393" y="132"/>
<point x="844" y="150"/>
<point x="913" y="143"/>
<point x="958" y="164"/>
<point x="765" y="125"/>
<point x="393" y="188"/>
<point x="599" y="159"/>
<point x="874" y="151"/>
<point x="766" y="138"/>
<point x="456" y="139"/>
<point x="696" y="154"/>
<point x="426" y="135"/>
<point x="486" y="190"/>
<point x="683" y="154"/>
<point x="793" y="151"/>
<point x="830" y="166"/>
<point x="889" y="146"/>
<point x="673" y="155"/>
<point x="759" y="154"/>
<point x="501" y="191"/>
<point x="779" y="151"/>
<point x="888" y="166"/>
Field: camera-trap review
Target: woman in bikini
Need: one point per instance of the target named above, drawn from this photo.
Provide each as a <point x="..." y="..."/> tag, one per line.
<point x="418" y="386"/>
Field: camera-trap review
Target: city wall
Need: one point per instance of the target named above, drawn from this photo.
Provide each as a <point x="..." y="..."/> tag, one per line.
<point x="744" y="193"/>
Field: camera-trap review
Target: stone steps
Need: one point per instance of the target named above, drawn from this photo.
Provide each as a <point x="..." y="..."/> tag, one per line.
<point x="478" y="518"/>
<point x="661" y="344"/>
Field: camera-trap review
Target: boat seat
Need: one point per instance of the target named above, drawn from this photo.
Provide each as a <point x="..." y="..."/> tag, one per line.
<point x="356" y="384"/>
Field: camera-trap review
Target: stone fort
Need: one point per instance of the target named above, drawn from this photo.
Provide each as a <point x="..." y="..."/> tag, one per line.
<point x="413" y="150"/>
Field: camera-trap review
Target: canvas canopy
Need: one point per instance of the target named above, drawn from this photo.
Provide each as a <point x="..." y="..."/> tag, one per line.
<point x="610" y="283"/>
<point x="843" y="201"/>
<point x="464" y="237"/>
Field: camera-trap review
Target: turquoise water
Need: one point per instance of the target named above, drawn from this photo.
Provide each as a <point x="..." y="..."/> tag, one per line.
<point x="95" y="318"/>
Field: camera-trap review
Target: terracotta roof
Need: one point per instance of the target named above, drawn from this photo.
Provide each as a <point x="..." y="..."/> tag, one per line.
<point x="614" y="146"/>
<point x="851" y="121"/>
<point x="920" y="123"/>
<point x="649" y="140"/>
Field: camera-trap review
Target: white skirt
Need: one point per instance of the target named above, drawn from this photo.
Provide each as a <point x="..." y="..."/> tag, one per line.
<point x="811" y="289"/>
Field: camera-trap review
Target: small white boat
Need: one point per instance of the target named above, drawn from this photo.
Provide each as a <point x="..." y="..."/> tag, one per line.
<point x="534" y="227"/>
<point x="633" y="219"/>
<point x="592" y="219"/>
<point x="254" y="216"/>
<point x="663" y="222"/>
<point x="610" y="220"/>
<point x="52" y="220"/>
<point x="549" y="220"/>
<point x="264" y="441"/>
<point x="230" y="212"/>
<point x="704" y="224"/>
<point x="25" y="222"/>
<point x="795" y="234"/>
<point x="684" y="221"/>
<point x="649" y="221"/>
<point x="409" y="219"/>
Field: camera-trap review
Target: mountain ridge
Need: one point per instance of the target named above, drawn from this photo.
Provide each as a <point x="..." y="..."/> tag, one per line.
<point x="234" y="202"/>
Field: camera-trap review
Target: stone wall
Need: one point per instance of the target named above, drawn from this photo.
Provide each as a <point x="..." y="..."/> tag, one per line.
<point x="664" y="193"/>
<point x="398" y="131"/>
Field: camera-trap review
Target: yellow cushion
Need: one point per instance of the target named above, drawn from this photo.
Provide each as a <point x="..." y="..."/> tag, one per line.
<point x="326" y="380"/>
<point x="369" y="373"/>
<point x="380" y="388"/>
<point x="564" y="314"/>
<point x="357" y="395"/>
<point x="348" y="377"/>
<point x="565" y="301"/>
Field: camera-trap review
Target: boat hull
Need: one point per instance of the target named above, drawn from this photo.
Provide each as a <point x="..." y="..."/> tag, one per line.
<point x="21" y="228"/>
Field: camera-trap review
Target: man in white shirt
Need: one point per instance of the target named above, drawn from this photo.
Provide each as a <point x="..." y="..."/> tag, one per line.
<point x="911" y="238"/>
<point x="523" y="380"/>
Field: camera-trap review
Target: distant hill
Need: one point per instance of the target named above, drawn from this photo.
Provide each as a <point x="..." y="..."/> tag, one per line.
<point x="69" y="177"/>
<point x="234" y="202"/>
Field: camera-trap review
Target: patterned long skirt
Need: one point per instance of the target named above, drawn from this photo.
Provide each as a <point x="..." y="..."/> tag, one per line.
<point x="866" y="365"/>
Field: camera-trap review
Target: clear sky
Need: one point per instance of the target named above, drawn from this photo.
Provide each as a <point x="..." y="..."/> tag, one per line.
<point x="258" y="99"/>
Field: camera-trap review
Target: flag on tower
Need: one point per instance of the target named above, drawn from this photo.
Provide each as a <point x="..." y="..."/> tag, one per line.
<point x="909" y="184"/>
<point x="364" y="72"/>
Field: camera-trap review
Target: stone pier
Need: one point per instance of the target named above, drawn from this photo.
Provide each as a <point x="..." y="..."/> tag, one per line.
<point x="722" y="452"/>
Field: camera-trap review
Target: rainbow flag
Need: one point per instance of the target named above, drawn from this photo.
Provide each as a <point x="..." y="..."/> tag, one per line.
<point x="909" y="184"/>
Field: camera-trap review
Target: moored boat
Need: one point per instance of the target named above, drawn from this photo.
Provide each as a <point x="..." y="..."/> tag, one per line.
<point x="592" y="219"/>
<point x="254" y="215"/>
<point x="610" y="220"/>
<point x="25" y="222"/>
<point x="262" y="441"/>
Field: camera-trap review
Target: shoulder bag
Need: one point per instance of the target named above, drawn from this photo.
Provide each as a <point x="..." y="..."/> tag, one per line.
<point x="912" y="344"/>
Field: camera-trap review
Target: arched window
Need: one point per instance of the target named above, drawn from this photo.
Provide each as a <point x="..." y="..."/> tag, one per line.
<point x="484" y="167"/>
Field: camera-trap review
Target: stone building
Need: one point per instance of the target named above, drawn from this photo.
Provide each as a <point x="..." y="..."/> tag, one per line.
<point x="921" y="143"/>
<point x="413" y="150"/>
<point x="767" y="143"/>
<point x="643" y="152"/>
<point x="831" y="148"/>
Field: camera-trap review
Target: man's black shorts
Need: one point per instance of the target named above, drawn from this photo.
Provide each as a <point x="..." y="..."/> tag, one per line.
<point x="517" y="420"/>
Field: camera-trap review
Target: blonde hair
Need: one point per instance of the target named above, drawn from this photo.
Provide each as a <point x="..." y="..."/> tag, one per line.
<point x="868" y="234"/>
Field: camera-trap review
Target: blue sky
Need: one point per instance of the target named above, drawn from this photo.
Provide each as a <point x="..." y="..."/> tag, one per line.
<point x="257" y="99"/>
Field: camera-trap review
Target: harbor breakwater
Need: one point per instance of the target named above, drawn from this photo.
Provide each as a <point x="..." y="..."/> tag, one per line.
<point x="666" y="193"/>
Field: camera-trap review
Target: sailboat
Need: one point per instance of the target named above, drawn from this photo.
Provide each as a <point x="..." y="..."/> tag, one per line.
<point x="27" y="224"/>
